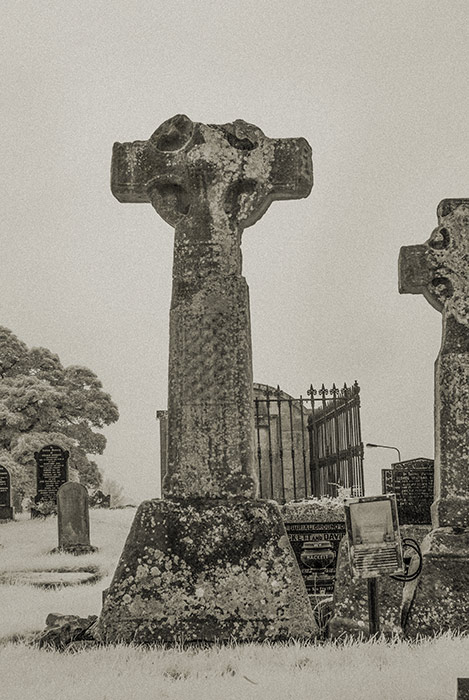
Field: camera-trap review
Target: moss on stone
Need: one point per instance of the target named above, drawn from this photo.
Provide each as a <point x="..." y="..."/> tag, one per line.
<point x="206" y="570"/>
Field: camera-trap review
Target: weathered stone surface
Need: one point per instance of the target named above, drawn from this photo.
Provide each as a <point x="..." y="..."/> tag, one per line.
<point x="73" y="519"/>
<point x="210" y="182"/>
<point x="439" y="269"/>
<point x="208" y="569"/>
<point x="441" y="594"/>
<point x="205" y="570"/>
<point x="351" y="595"/>
<point x="313" y="510"/>
<point x="63" y="630"/>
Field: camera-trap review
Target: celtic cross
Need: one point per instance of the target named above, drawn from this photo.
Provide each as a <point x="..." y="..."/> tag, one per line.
<point x="210" y="182"/>
<point x="439" y="269"/>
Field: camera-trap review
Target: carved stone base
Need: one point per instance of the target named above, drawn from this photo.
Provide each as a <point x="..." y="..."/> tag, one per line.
<point x="441" y="595"/>
<point x="206" y="570"/>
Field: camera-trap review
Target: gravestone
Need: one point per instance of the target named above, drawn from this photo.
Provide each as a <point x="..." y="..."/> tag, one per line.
<point x="73" y="519"/>
<point x="209" y="562"/>
<point x="6" y="510"/>
<point x="439" y="269"/>
<point x="412" y="482"/>
<point x="51" y="472"/>
<point x="316" y="545"/>
<point x="463" y="689"/>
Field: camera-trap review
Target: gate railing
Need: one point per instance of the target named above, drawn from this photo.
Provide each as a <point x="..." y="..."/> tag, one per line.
<point x="310" y="445"/>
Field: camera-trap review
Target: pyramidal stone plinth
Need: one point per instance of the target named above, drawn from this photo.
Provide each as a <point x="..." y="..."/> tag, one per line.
<point x="209" y="562"/>
<point x="206" y="570"/>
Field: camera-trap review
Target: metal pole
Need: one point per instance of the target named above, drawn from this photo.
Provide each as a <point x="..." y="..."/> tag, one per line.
<point x="387" y="447"/>
<point x="373" y="606"/>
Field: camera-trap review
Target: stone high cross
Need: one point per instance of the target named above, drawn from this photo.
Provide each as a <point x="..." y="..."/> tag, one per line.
<point x="439" y="269"/>
<point x="210" y="182"/>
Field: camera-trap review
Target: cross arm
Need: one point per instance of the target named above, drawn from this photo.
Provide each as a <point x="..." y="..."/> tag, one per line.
<point x="130" y="171"/>
<point x="292" y="169"/>
<point x="135" y="166"/>
<point x="289" y="176"/>
<point x="438" y="268"/>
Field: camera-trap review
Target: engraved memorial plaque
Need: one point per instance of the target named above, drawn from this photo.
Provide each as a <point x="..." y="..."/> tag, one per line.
<point x="412" y="482"/>
<point x="316" y="545"/>
<point x="413" y="486"/>
<point x="6" y="511"/>
<point x="52" y="472"/>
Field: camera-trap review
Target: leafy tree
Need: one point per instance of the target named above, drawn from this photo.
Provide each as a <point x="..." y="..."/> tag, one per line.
<point x="42" y="402"/>
<point x="116" y="491"/>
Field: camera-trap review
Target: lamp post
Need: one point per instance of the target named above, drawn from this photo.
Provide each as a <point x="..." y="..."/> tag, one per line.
<point x="387" y="447"/>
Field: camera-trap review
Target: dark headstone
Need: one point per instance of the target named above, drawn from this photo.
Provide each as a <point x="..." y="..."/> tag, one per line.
<point x="51" y="471"/>
<point x="6" y="511"/>
<point x="412" y="482"/>
<point x="73" y="518"/>
<point x="463" y="689"/>
<point x="316" y="545"/>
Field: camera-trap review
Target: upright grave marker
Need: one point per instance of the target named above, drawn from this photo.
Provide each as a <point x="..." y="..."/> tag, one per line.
<point x="51" y="472"/>
<point x="73" y="519"/>
<point x="316" y="545"/>
<point x="6" y="511"/>
<point x="208" y="562"/>
<point x="439" y="269"/>
<point x="412" y="482"/>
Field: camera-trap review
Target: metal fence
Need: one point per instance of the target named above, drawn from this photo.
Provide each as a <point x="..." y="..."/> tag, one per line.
<point x="310" y="445"/>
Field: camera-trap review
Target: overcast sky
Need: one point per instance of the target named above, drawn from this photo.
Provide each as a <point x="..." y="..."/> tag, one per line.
<point x="379" y="89"/>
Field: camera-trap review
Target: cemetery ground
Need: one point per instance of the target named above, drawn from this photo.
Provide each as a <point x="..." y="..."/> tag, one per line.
<point x="425" y="670"/>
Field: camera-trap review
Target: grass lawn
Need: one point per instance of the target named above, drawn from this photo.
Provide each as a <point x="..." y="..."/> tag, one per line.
<point x="351" y="671"/>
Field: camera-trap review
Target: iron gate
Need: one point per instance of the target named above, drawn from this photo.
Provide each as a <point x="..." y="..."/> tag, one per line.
<point x="310" y="445"/>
